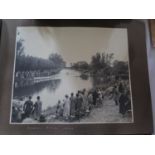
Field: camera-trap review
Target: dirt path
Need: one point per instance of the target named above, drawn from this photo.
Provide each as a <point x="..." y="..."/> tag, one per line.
<point x="108" y="113"/>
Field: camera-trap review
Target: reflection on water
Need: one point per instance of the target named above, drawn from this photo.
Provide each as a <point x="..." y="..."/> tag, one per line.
<point x="38" y="87"/>
<point x="66" y="82"/>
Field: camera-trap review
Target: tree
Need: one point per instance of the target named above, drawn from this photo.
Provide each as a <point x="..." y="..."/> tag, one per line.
<point x="120" y="67"/>
<point x="96" y="61"/>
<point x="80" y="65"/>
<point x="31" y="63"/>
<point x="102" y="62"/>
<point x="20" y="55"/>
<point x="57" y="60"/>
<point x="20" y="47"/>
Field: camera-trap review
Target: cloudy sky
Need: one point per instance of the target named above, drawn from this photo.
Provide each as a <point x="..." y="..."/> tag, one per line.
<point x="74" y="43"/>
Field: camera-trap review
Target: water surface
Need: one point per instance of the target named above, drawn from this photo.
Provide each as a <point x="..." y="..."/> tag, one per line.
<point x="65" y="82"/>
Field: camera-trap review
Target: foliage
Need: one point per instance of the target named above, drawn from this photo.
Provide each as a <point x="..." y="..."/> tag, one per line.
<point x="30" y="63"/>
<point x="57" y="60"/>
<point x="20" y="47"/>
<point x="101" y="60"/>
<point x="120" y="67"/>
<point x="102" y="64"/>
<point x="80" y="65"/>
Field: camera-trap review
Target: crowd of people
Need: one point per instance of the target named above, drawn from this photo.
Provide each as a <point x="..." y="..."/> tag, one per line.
<point x="80" y="104"/>
<point x="29" y="110"/>
<point x="75" y="106"/>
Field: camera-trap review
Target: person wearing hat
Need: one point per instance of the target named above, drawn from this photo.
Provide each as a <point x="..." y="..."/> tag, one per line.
<point x="28" y="107"/>
<point x="37" y="108"/>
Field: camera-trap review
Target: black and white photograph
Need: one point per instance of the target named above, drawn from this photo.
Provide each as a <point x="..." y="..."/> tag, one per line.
<point x="71" y="75"/>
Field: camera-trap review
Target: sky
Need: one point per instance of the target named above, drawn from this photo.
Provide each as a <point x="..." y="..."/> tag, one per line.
<point x="74" y="43"/>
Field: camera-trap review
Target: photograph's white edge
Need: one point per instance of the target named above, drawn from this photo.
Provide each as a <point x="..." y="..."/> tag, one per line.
<point x="69" y="123"/>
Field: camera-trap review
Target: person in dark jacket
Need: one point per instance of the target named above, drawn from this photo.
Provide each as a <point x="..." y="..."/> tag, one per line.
<point x="123" y="100"/>
<point x="14" y="114"/>
<point x="95" y="96"/>
<point x="128" y="105"/>
<point x="78" y="106"/>
<point x="115" y="95"/>
<point x="72" y="106"/>
<point x="121" y="88"/>
<point x="58" y="108"/>
<point x="28" y="107"/>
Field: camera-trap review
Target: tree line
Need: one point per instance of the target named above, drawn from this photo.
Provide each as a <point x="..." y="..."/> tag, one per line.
<point x="102" y="64"/>
<point x="30" y="63"/>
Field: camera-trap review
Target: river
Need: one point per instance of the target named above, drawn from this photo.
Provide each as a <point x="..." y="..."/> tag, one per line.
<point x="65" y="82"/>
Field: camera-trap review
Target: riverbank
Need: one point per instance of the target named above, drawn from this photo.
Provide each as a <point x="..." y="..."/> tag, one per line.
<point x="28" y="78"/>
<point x="107" y="113"/>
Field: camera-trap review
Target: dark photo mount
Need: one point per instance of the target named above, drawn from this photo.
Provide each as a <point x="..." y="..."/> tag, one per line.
<point x="152" y="31"/>
<point x="0" y="28"/>
<point x="138" y="74"/>
<point x="81" y="87"/>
